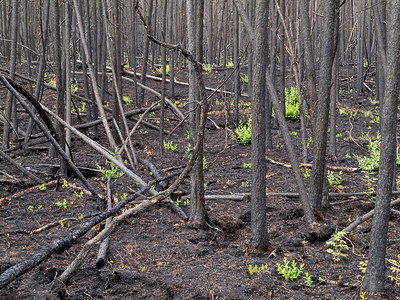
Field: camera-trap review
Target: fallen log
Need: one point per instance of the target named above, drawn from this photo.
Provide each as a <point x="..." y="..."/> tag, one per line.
<point x="304" y="165"/>
<point x="362" y="219"/>
<point x="64" y="243"/>
<point x="21" y="168"/>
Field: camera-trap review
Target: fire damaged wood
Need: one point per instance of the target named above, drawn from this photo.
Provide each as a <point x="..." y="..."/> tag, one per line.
<point x="62" y="244"/>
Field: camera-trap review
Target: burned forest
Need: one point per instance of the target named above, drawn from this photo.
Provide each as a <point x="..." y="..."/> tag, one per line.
<point x="199" y="149"/>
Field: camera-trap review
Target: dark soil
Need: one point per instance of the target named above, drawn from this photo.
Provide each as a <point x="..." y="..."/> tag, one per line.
<point x="156" y="254"/>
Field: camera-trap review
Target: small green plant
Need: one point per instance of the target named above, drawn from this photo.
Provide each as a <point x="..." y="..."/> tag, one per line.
<point x="31" y="207"/>
<point x="170" y="146"/>
<point x="365" y="62"/>
<point x="342" y="111"/>
<point x="112" y="173"/>
<point x="292" y="104"/>
<point x="62" y="204"/>
<point x="205" y="163"/>
<point x="243" y="133"/>
<point x="229" y="64"/>
<point x="395" y="268"/>
<point x="208" y="67"/>
<point x="375" y="120"/>
<point x="247" y="165"/>
<point x="338" y="245"/>
<point x="289" y="271"/>
<point x="167" y="70"/>
<point x="370" y="182"/>
<point x="78" y="195"/>
<point x="348" y="156"/>
<point x="143" y="269"/>
<point x="42" y="187"/>
<point x="363" y="295"/>
<point x="307" y="279"/>
<point x="307" y="173"/>
<point x="255" y="270"/>
<point x="186" y="202"/>
<point x="245" y="183"/>
<point x="64" y="183"/>
<point x="371" y="162"/>
<point x="244" y="78"/>
<point x="178" y="201"/>
<point x="362" y="266"/>
<point x="127" y="100"/>
<point x="335" y="179"/>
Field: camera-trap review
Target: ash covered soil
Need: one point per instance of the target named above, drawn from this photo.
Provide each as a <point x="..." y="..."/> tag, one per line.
<point x="156" y="254"/>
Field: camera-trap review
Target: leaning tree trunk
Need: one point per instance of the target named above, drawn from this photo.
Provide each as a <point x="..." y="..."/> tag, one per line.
<point x="375" y="273"/>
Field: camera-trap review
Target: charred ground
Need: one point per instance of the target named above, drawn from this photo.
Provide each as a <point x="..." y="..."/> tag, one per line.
<point x="156" y="255"/>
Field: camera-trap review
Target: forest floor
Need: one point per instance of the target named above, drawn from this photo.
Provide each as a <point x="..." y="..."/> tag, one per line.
<point x="157" y="255"/>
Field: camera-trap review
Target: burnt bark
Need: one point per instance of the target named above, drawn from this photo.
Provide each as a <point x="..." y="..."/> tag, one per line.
<point x="259" y="227"/>
<point x="331" y="12"/>
<point x="375" y="273"/>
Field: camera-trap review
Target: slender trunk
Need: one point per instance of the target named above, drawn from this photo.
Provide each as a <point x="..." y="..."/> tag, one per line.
<point x="375" y="274"/>
<point x="331" y="10"/>
<point x="145" y="55"/>
<point x="11" y="109"/>
<point x="259" y="228"/>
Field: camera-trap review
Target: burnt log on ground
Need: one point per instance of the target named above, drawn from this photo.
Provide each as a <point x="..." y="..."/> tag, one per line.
<point x="62" y="244"/>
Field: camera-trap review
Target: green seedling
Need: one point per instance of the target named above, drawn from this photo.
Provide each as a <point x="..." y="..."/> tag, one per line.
<point x="205" y="163"/>
<point x="245" y="183"/>
<point x="395" y="268"/>
<point x="78" y="195"/>
<point x="363" y="295"/>
<point x="243" y="133"/>
<point x="247" y="165"/>
<point x="167" y="70"/>
<point x="307" y="173"/>
<point x="170" y="146"/>
<point x="127" y="100"/>
<point x="375" y="120"/>
<point x="42" y="187"/>
<point x="292" y="104"/>
<point x="338" y="245"/>
<point x="186" y="202"/>
<point x="335" y="179"/>
<point x="112" y="173"/>
<point x="370" y="182"/>
<point x="62" y="204"/>
<point x="208" y="68"/>
<point x="289" y="271"/>
<point x="307" y="279"/>
<point x="244" y="78"/>
<point x="255" y="270"/>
